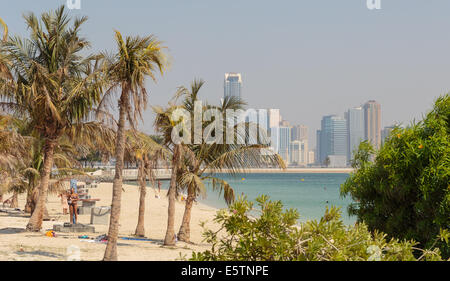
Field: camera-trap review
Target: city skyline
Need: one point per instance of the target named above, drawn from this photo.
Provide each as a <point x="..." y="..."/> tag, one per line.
<point x="322" y="62"/>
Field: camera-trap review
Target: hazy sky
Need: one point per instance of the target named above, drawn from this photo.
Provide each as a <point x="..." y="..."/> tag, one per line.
<point x="308" y="58"/>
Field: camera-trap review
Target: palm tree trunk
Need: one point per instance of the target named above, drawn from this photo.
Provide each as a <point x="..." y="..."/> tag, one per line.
<point x="15" y="200"/>
<point x="184" y="233"/>
<point x="140" y="230"/>
<point x="113" y="233"/>
<point x="35" y="222"/>
<point x="28" y="208"/>
<point x="170" y="233"/>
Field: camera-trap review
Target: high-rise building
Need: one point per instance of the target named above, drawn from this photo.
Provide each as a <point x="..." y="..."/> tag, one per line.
<point x="274" y="118"/>
<point x="355" y="130"/>
<point x="332" y="138"/>
<point x="299" y="153"/>
<point x="295" y="155"/>
<point x="275" y="138"/>
<point x="233" y="85"/>
<point x="285" y="123"/>
<point x="299" y="132"/>
<point x="372" y="123"/>
<point x="284" y="141"/>
<point x="318" y="148"/>
<point x="311" y="157"/>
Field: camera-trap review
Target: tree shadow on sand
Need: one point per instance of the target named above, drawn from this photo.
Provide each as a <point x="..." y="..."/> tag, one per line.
<point x="40" y="253"/>
<point x="11" y="230"/>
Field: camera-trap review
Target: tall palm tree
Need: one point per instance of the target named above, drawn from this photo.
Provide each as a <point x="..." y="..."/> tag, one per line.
<point x="53" y="85"/>
<point x="199" y="162"/>
<point x="143" y="150"/>
<point x="206" y="159"/>
<point x="164" y="124"/>
<point x="136" y="59"/>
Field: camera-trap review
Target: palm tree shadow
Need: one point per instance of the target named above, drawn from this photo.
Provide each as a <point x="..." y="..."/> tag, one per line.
<point x="40" y="253"/>
<point x="11" y="230"/>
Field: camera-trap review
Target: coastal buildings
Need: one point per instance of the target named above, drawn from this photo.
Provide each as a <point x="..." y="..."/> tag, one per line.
<point x="274" y="118"/>
<point x="284" y="142"/>
<point x="233" y="85"/>
<point x="372" y="123"/>
<point x="332" y="140"/>
<point x="355" y="129"/>
<point x="359" y="124"/>
<point x="299" y="132"/>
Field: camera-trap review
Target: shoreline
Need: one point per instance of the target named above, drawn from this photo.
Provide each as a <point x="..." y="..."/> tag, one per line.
<point x="292" y="171"/>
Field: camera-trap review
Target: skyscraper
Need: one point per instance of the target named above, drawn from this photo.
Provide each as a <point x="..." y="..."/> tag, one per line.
<point x="299" y="132"/>
<point x="355" y="129"/>
<point x="284" y="142"/>
<point x="372" y="123"/>
<point x="274" y="118"/>
<point x="332" y="138"/>
<point x="233" y="85"/>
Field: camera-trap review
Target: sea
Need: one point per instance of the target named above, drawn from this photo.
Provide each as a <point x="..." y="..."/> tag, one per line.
<point x="310" y="194"/>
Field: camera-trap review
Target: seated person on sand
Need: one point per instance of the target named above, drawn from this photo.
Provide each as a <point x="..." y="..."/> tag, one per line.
<point x="72" y="200"/>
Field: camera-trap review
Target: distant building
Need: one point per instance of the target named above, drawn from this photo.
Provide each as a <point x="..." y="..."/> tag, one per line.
<point x="275" y="138"/>
<point x="295" y="155"/>
<point x="233" y="85"/>
<point x="372" y="123"/>
<point x="311" y="157"/>
<point x="285" y="123"/>
<point x="355" y="130"/>
<point x="274" y="118"/>
<point x="298" y="153"/>
<point x="284" y="142"/>
<point x="299" y="132"/>
<point x="332" y="138"/>
<point x="385" y="133"/>
<point x="337" y="161"/>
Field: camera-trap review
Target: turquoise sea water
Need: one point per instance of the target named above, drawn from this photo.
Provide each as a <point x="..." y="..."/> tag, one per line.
<point x="309" y="196"/>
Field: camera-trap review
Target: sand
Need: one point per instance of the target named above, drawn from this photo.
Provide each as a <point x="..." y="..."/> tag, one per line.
<point x="16" y="244"/>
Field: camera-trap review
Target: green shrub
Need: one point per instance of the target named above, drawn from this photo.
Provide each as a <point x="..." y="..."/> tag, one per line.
<point x="405" y="190"/>
<point x="274" y="236"/>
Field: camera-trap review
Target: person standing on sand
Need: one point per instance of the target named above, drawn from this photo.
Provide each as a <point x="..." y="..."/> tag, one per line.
<point x="72" y="200"/>
<point x="64" y="204"/>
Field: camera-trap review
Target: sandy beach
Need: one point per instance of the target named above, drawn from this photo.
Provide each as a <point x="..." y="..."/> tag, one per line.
<point x="16" y="244"/>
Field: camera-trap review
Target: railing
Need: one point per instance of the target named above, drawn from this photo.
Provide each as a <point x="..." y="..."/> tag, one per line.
<point x="131" y="174"/>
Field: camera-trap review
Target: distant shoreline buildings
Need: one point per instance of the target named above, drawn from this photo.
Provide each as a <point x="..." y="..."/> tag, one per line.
<point x="336" y="141"/>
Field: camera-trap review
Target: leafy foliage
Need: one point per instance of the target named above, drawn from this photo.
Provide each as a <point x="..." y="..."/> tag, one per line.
<point x="405" y="190"/>
<point x="274" y="236"/>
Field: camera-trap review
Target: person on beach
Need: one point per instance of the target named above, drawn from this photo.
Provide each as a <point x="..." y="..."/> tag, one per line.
<point x="64" y="204"/>
<point x="72" y="200"/>
<point x="159" y="190"/>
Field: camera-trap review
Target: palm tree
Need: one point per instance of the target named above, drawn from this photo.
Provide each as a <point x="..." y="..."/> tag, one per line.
<point x="136" y="59"/>
<point x="216" y="157"/>
<point x="199" y="159"/>
<point x="145" y="152"/>
<point x="53" y="85"/>
<point x="164" y="125"/>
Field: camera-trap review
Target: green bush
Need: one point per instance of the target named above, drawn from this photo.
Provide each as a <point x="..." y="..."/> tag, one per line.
<point x="272" y="235"/>
<point x="405" y="190"/>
